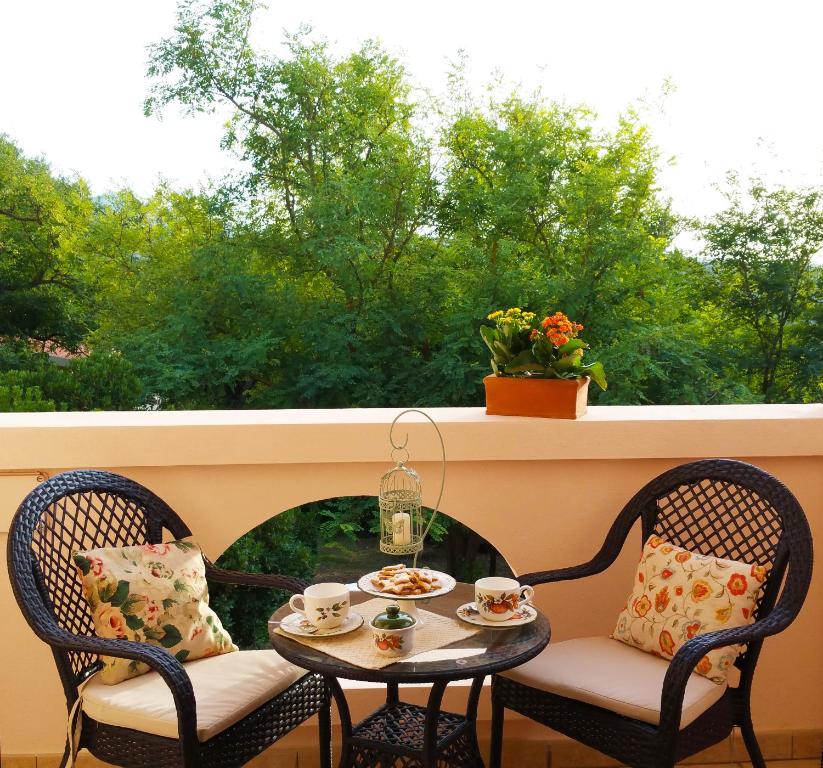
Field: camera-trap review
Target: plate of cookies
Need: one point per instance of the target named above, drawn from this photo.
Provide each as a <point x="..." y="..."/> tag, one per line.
<point x="403" y="583"/>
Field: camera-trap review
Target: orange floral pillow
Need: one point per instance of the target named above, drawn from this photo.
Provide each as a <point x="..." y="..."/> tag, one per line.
<point x="679" y="594"/>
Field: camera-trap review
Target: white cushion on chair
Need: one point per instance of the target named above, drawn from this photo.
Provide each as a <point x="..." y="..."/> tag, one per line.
<point x="614" y="676"/>
<point x="226" y="689"/>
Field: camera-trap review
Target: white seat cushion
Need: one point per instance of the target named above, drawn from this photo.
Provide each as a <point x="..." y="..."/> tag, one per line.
<point x="614" y="676"/>
<point x="226" y="689"/>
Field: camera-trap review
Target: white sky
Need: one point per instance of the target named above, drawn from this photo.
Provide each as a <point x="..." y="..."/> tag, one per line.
<point x="747" y="78"/>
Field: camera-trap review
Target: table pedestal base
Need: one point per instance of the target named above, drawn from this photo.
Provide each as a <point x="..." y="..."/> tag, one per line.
<point x="410" y="736"/>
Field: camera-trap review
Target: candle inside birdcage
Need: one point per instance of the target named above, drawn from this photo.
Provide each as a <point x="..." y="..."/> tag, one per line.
<point x="400" y="511"/>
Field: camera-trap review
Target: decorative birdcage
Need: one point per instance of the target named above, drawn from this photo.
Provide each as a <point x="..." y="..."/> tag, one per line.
<point x="401" y="510"/>
<point x="402" y="531"/>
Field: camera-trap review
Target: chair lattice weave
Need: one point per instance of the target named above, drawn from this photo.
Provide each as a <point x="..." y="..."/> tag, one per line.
<point x="88" y="509"/>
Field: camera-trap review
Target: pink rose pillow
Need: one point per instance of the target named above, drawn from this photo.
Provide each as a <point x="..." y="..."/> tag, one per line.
<point x="156" y="593"/>
<point x="679" y="594"/>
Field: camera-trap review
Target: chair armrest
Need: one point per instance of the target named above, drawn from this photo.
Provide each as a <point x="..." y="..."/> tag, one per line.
<point x="612" y="545"/>
<point x="268" y="581"/>
<point x="159" y="659"/>
<point x="692" y="651"/>
<point x="563" y="574"/>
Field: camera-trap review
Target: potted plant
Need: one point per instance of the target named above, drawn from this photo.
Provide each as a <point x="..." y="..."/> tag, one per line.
<point x="538" y="367"/>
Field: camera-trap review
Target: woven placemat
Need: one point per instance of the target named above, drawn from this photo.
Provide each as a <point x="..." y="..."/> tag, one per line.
<point x="358" y="647"/>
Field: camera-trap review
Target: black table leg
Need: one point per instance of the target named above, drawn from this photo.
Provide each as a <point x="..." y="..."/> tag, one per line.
<point x="430" y="728"/>
<point x="392" y="693"/>
<point x="345" y="719"/>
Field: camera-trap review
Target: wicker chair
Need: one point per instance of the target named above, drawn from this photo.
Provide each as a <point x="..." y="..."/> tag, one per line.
<point x="717" y="507"/>
<point x="85" y="509"/>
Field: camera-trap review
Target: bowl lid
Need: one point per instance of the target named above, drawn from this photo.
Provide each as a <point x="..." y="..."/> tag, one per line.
<point x="393" y="618"/>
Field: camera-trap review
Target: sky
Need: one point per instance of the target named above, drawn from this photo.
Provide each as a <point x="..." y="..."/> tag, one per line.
<point x="746" y="79"/>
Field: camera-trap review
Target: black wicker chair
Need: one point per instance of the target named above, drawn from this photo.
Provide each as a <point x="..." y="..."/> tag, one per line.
<point x="724" y="508"/>
<point x="86" y="509"/>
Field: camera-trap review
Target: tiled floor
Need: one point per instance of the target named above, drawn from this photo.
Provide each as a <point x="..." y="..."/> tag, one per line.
<point x="290" y="759"/>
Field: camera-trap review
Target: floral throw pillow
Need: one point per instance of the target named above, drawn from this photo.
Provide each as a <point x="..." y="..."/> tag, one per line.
<point x="156" y="593"/>
<point x="679" y="594"/>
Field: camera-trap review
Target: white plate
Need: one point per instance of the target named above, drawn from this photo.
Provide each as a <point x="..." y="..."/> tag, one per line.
<point x="364" y="585"/>
<point x="469" y="613"/>
<point x="297" y="624"/>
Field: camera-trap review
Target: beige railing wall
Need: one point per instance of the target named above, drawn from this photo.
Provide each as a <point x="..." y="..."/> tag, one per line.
<point x="543" y="491"/>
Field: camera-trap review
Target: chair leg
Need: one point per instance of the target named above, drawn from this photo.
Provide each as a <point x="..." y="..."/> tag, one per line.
<point x="324" y="728"/>
<point x="496" y="751"/>
<point x="752" y="747"/>
<point x="65" y="761"/>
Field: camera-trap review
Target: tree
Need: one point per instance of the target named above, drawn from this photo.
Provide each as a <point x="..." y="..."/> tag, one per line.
<point x="761" y="251"/>
<point x="41" y="220"/>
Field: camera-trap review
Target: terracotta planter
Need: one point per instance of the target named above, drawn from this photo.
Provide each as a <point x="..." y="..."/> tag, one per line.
<point x="547" y="398"/>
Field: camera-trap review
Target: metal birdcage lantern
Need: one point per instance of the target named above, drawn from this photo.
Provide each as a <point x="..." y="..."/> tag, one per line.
<point x="402" y="531"/>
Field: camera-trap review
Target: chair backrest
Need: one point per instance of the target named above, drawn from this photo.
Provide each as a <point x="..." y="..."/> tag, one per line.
<point x="736" y="511"/>
<point x="76" y="511"/>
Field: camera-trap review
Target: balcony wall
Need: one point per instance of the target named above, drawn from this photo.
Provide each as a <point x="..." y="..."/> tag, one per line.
<point x="543" y="491"/>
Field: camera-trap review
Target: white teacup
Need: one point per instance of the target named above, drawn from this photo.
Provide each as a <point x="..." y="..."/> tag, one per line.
<point x="498" y="598"/>
<point x="324" y="605"/>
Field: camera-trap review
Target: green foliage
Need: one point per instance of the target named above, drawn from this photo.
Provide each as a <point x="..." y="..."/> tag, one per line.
<point x="760" y="253"/>
<point x="42" y="219"/>
<point x="285" y="544"/>
<point x="98" y="381"/>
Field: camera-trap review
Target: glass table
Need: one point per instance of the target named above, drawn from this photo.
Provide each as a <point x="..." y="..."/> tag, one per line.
<point x="419" y="736"/>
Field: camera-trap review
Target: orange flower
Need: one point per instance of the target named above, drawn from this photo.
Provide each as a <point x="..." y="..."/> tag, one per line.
<point x="737" y="584"/>
<point x="641" y="577"/>
<point x="692" y="629"/>
<point x="666" y="573"/>
<point x="665" y="550"/>
<point x="759" y="572"/>
<point x="666" y="643"/>
<point x="700" y="590"/>
<point x="678" y="591"/>
<point x="745" y="613"/>
<point x="642" y="606"/>
<point x="533" y="335"/>
<point x="655" y="542"/>
<point x="682" y="557"/>
<point x="704" y="666"/>
<point x="661" y="600"/>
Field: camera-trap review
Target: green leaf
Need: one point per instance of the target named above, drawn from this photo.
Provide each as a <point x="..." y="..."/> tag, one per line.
<point x="181" y="656"/>
<point x="523" y="363"/>
<point x="134" y="622"/>
<point x="120" y="594"/>
<point x="501" y="352"/>
<point x="598" y="374"/>
<point x="83" y="563"/>
<point x="572" y="345"/>
<point x="489" y="335"/>
<point x="567" y="364"/>
<point x="129" y="603"/>
<point x="171" y="636"/>
<point x="185" y="546"/>
<point x="168" y="603"/>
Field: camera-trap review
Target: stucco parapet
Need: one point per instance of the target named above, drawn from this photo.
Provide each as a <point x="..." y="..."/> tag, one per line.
<point x="310" y="436"/>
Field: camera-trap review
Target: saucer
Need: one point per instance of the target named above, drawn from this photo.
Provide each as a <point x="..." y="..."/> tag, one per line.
<point x="299" y="625"/>
<point x="525" y="614"/>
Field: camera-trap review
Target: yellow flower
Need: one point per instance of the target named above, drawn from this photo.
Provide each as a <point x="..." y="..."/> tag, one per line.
<point x="495" y="315"/>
